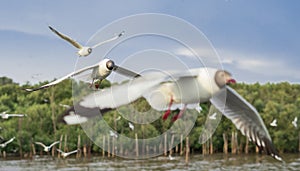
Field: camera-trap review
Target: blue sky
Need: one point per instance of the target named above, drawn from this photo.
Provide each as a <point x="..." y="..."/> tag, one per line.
<point x="257" y="41"/>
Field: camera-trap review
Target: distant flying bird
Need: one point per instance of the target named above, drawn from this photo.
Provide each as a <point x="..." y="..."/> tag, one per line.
<point x="65" y="106"/>
<point x="213" y="116"/>
<point x="113" y="134"/>
<point x="84" y="50"/>
<point x="47" y="148"/>
<point x="64" y="155"/>
<point x="294" y="122"/>
<point x="3" y="145"/>
<point x="99" y="72"/>
<point x="182" y="90"/>
<point x="118" y="118"/>
<point x="5" y="115"/>
<point x="131" y="126"/>
<point x="274" y="123"/>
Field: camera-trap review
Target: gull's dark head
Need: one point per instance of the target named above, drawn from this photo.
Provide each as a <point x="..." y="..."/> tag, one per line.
<point x="89" y="50"/>
<point x="223" y="77"/>
<point x="110" y="65"/>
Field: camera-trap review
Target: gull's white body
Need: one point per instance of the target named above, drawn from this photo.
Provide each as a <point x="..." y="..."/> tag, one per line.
<point x="131" y="126"/>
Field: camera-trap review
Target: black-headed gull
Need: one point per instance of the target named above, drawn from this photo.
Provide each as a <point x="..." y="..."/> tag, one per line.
<point x="187" y="88"/>
<point x="3" y="145"/>
<point x="47" y="148"/>
<point x="294" y="122"/>
<point x="99" y="72"/>
<point x="170" y="157"/>
<point x="274" y="123"/>
<point x="84" y="50"/>
<point x="64" y="154"/>
<point x="5" y="115"/>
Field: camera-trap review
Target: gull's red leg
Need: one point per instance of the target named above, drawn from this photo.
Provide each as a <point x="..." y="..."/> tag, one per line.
<point x="179" y="115"/>
<point x="167" y="113"/>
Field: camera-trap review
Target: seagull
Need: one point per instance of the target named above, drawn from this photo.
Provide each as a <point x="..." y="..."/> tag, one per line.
<point x="118" y="118"/>
<point x="185" y="89"/>
<point x="3" y="145"/>
<point x="4" y="115"/>
<point x="213" y="116"/>
<point x="100" y="71"/>
<point x="294" y="122"/>
<point x="274" y="123"/>
<point x="113" y="134"/>
<point x="84" y="50"/>
<point x="131" y="126"/>
<point x="64" y="155"/>
<point x="47" y="148"/>
<point x="65" y="106"/>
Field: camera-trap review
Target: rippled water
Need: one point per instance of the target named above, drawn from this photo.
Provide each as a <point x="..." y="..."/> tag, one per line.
<point x="196" y="162"/>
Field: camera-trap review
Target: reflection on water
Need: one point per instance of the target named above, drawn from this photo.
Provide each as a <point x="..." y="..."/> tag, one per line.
<point x="197" y="162"/>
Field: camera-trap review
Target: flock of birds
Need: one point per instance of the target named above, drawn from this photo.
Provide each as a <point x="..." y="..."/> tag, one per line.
<point x="180" y="90"/>
<point x="294" y="122"/>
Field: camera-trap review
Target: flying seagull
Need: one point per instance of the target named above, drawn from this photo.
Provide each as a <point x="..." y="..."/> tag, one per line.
<point x="113" y="134"/>
<point x="274" y="123"/>
<point x="5" y="115"/>
<point x="64" y="155"/>
<point x="294" y="122"/>
<point x="131" y="126"/>
<point x="184" y="89"/>
<point x="3" y="145"/>
<point x="47" y="148"/>
<point x="99" y="72"/>
<point x="84" y="50"/>
<point x="213" y="116"/>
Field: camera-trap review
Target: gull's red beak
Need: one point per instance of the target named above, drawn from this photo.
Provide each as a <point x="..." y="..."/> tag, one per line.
<point x="231" y="81"/>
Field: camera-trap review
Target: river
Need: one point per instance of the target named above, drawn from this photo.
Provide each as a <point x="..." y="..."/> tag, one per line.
<point x="196" y="162"/>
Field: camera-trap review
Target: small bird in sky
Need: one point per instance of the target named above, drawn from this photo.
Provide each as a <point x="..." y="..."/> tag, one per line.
<point x="3" y="145"/>
<point x="294" y="122"/>
<point x="274" y="123"/>
<point x="84" y="50"/>
<point x="131" y="126"/>
<point x="64" y="154"/>
<point x="47" y="148"/>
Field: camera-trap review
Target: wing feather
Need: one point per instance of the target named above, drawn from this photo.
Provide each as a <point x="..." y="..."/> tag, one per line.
<point x="246" y="118"/>
<point x="67" y="38"/>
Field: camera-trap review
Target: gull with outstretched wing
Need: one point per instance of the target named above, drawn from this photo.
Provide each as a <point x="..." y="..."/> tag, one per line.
<point x="84" y="50"/>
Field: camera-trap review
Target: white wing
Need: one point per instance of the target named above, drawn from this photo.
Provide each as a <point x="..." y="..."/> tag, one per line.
<point x="59" y="150"/>
<point x="67" y="38"/>
<point x="63" y="78"/>
<point x="54" y="144"/>
<point x="109" y="40"/>
<point x="72" y="152"/>
<point x="125" y="72"/>
<point x="17" y="115"/>
<point x="9" y="141"/>
<point x="245" y="117"/>
<point x="41" y="144"/>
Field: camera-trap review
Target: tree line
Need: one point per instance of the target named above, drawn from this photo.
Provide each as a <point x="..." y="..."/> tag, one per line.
<point x="279" y="101"/>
